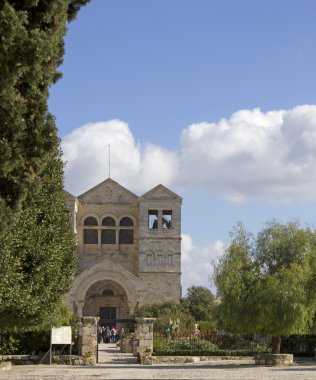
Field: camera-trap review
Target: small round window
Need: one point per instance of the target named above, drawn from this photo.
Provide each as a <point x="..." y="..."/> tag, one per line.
<point x="108" y="293"/>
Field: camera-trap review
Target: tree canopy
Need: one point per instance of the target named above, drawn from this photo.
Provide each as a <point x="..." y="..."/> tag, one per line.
<point x="37" y="256"/>
<point x="36" y="242"/>
<point x="166" y="313"/>
<point x="31" y="49"/>
<point x="265" y="282"/>
<point x="201" y="303"/>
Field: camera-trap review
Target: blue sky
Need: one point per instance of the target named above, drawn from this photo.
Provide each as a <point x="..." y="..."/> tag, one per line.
<point x="214" y="99"/>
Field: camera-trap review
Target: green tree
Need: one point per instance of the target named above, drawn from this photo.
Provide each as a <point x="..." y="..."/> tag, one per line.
<point x="166" y="313"/>
<point x="31" y="49"/>
<point x="201" y="303"/>
<point x="36" y="242"/>
<point x="264" y="282"/>
<point x="37" y="256"/>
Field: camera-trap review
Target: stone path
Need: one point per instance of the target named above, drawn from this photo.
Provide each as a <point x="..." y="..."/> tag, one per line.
<point x="114" y="365"/>
<point x="110" y="355"/>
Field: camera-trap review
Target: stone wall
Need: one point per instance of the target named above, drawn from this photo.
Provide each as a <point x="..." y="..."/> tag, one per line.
<point x="143" y="342"/>
<point x="38" y="359"/>
<point x="88" y="342"/>
<point x="150" y="360"/>
<point x="274" y="359"/>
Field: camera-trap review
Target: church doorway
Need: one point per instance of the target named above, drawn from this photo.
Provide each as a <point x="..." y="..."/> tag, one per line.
<point x="108" y="313"/>
<point x="107" y="316"/>
<point x="108" y="300"/>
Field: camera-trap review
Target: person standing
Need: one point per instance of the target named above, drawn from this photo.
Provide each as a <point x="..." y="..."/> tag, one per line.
<point x="113" y="335"/>
<point x="108" y="334"/>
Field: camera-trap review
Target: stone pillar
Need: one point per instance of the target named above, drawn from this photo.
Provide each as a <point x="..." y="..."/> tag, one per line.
<point x="126" y="343"/>
<point x="88" y="339"/>
<point x="79" y="305"/>
<point x="131" y="308"/>
<point x="144" y="337"/>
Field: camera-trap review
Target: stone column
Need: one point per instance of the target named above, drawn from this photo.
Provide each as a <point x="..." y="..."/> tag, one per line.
<point x="79" y="305"/>
<point x="99" y="241"/>
<point x="131" y="308"/>
<point x="144" y="337"/>
<point x="88" y="339"/>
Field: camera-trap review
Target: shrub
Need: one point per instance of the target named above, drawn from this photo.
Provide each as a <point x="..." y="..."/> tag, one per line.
<point x="183" y="346"/>
<point x="28" y="342"/>
<point x="9" y="344"/>
<point x="192" y="347"/>
<point x="167" y="314"/>
<point x="207" y="329"/>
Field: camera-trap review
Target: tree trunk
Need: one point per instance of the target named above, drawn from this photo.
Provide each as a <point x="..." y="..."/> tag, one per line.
<point x="276" y="344"/>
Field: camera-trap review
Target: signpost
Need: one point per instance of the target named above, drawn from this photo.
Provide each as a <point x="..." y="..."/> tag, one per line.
<point x="60" y="335"/>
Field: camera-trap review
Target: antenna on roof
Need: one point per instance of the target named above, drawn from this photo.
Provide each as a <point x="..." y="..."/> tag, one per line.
<point x="109" y="146"/>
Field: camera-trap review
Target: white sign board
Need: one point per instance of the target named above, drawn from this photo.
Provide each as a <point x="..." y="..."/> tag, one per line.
<point x="61" y="335"/>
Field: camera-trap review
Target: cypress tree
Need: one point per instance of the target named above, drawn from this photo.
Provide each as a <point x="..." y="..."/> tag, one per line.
<point x="36" y="241"/>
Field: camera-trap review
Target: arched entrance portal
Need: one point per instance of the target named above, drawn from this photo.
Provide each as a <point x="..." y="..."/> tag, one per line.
<point x="108" y="300"/>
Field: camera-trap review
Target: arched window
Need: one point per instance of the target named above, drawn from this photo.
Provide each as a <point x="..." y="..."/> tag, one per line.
<point x="108" y="237"/>
<point x="126" y="222"/>
<point x="108" y="221"/>
<point x="90" y="221"/>
<point x="126" y="236"/>
<point x="90" y="236"/>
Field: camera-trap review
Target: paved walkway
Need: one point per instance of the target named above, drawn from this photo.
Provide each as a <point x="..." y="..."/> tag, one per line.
<point x="114" y="365"/>
<point x="110" y="355"/>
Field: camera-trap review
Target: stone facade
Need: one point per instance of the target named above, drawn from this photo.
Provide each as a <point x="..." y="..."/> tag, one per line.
<point x="129" y="250"/>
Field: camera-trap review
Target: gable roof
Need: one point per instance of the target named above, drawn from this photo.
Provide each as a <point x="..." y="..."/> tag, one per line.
<point x="108" y="191"/>
<point x="161" y="192"/>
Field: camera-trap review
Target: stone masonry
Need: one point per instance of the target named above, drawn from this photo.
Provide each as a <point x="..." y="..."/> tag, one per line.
<point x="88" y="344"/>
<point x="129" y="250"/>
<point x="144" y="338"/>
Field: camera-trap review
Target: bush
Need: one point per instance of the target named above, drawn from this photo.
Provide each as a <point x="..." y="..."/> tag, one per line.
<point x="24" y="343"/>
<point x="167" y="315"/>
<point x="299" y="345"/>
<point x="207" y="329"/>
<point x="192" y="347"/>
<point x="37" y="340"/>
<point x="250" y="346"/>
<point x="9" y="344"/>
<point x="183" y="346"/>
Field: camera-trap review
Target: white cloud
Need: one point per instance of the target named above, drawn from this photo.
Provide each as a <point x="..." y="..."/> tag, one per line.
<point x="251" y="155"/>
<point x="86" y="152"/>
<point x="197" y="262"/>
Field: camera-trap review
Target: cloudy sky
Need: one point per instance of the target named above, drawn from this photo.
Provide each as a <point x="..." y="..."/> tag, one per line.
<point x="215" y="99"/>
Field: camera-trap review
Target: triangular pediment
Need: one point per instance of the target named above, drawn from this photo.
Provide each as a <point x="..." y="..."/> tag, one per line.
<point x="108" y="191"/>
<point x="161" y="192"/>
<point x="107" y="265"/>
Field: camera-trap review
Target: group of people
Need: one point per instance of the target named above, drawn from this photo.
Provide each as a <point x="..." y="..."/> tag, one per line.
<point x="109" y="335"/>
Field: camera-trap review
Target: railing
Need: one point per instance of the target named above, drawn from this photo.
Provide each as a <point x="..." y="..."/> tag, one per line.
<point x="215" y="344"/>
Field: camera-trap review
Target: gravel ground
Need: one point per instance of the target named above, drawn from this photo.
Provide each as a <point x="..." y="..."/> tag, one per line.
<point x="114" y="365"/>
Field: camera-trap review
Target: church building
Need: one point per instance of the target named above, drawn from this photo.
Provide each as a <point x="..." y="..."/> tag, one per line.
<point x="129" y="250"/>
